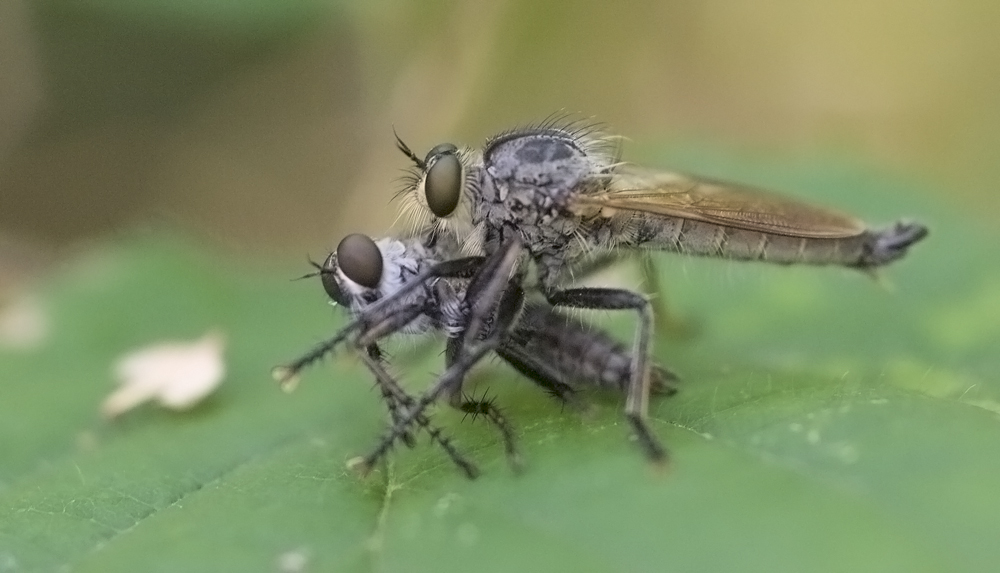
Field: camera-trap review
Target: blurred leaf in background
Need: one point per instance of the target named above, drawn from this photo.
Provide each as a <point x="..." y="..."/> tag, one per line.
<point x="267" y="124"/>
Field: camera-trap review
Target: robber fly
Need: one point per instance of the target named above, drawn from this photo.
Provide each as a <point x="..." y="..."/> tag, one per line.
<point x="558" y="353"/>
<point x="558" y="192"/>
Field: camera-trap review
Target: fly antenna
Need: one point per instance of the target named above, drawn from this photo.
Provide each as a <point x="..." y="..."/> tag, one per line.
<point x="319" y="271"/>
<point x="407" y="152"/>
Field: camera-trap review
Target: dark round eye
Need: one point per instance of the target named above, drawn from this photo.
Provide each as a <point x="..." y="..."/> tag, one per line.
<point x="328" y="275"/>
<point x="360" y="260"/>
<point x="443" y="184"/>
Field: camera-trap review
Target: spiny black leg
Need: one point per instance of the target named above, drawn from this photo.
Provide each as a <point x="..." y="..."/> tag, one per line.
<point x="469" y="405"/>
<point x="510" y="306"/>
<point x="487" y="408"/>
<point x="391" y="323"/>
<point x="492" y="302"/>
<point x="451" y="378"/>
<point x="392" y="401"/>
<point x="637" y="400"/>
<point x="287" y="375"/>
<point x="395" y="414"/>
<point x="490" y="280"/>
<point x="390" y="387"/>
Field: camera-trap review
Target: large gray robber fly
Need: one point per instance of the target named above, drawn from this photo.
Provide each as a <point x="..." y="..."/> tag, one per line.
<point x="557" y="196"/>
<point x="557" y="352"/>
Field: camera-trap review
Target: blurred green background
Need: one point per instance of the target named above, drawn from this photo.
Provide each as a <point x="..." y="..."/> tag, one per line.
<point x="165" y="165"/>
<point x="266" y="124"/>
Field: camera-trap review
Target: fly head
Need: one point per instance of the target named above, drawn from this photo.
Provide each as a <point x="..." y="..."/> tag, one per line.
<point x="439" y="192"/>
<point x="362" y="271"/>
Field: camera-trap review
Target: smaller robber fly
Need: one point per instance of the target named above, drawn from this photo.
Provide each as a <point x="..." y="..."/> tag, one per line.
<point x="557" y="352"/>
<point x="558" y="193"/>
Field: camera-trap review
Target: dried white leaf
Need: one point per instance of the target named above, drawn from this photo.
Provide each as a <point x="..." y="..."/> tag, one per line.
<point x="177" y="375"/>
<point x="294" y="561"/>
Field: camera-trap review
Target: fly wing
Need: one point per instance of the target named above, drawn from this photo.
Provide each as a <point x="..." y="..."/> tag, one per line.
<point x="667" y="194"/>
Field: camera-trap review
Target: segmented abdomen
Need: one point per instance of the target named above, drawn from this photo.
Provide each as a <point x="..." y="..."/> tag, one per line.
<point x="581" y="355"/>
<point x="709" y="239"/>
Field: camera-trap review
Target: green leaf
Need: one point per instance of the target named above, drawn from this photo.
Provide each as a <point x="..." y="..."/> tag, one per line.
<point x="825" y="424"/>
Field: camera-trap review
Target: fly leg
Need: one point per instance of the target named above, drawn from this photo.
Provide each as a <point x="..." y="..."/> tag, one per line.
<point x="388" y="325"/>
<point x="506" y="312"/>
<point x="495" y="318"/>
<point x="487" y="408"/>
<point x="667" y="323"/>
<point x="395" y="396"/>
<point x="376" y="331"/>
<point x="392" y="394"/>
<point x="540" y="372"/>
<point x="451" y="378"/>
<point x="288" y="374"/>
<point x="487" y="291"/>
<point x="491" y="287"/>
<point x="637" y="400"/>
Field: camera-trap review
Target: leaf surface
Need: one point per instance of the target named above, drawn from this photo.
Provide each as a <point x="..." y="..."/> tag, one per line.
<point x="824" y="424"/>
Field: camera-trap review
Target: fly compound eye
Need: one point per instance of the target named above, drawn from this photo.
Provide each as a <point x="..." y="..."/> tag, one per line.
<point x="328" y="275"/>
<point x="443" y="183"/>
<point x="360" y="260"/>
<point x="440" y="149"/>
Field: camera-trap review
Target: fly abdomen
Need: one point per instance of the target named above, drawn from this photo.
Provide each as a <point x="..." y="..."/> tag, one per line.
<point x="870" y="248"/>
<point x="887" y="245"/>
<point x="581" y="356"/>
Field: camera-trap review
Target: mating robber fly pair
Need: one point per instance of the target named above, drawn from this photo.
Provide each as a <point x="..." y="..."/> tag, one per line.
<point x="499" y="236"/>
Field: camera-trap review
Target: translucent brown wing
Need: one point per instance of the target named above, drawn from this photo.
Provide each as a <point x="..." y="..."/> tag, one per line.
<point x="674" y="195"/>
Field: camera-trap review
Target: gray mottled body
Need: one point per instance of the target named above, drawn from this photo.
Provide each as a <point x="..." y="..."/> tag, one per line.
<point x="575" y="355"/>
<point x="532" y="184"/>
<point x="559" y="197"/>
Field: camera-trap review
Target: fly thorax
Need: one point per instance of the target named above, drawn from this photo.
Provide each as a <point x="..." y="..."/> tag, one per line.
<point x="528" y="181"/>
<point x="549" y="165"/>
<point x="522" y="206"/>
<point x="539" y="160"/>
<point x="401" y="260"/>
